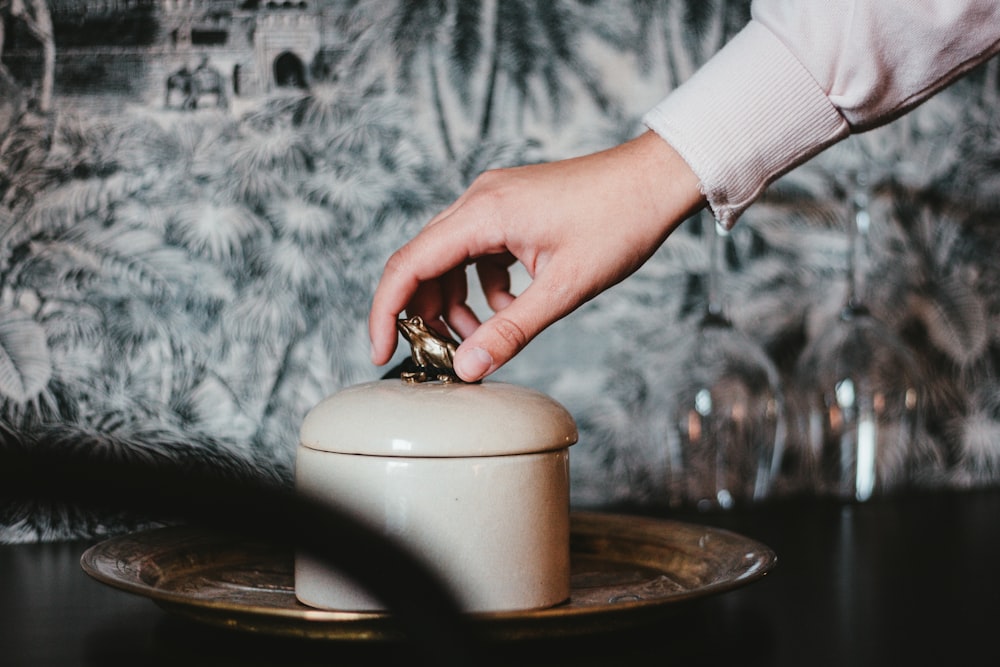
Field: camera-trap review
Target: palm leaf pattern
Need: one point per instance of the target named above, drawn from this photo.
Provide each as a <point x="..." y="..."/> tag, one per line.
<point x="187" y="286"/>
<point x="25" y="367"/>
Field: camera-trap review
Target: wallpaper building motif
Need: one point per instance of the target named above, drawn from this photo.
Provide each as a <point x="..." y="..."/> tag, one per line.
<point x="197" y="197"/>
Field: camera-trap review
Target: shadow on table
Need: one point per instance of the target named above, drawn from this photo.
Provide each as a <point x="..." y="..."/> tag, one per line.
<point x="425" y="610"/>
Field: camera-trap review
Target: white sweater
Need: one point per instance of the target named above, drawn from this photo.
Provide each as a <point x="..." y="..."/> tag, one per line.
<point x="804" y="74"/>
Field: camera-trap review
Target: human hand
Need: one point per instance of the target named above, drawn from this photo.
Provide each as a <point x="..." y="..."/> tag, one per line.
<point x="578" y="226"/>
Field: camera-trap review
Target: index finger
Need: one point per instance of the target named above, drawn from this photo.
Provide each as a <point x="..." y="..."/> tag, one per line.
<point x="431" y="254"/>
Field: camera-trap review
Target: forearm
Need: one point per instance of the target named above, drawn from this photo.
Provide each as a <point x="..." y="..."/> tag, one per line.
<point x="801" y="77"/>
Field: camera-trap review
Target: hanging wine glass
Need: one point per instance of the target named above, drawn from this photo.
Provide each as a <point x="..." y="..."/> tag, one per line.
<point x="858" y="381"/>
<point x="729" y="409"/>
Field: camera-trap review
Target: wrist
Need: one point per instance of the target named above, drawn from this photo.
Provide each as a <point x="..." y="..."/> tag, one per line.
<point x="668" y="188"/>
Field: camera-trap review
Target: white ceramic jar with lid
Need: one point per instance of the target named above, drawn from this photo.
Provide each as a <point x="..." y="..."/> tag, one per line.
<point x="473" y="477"/>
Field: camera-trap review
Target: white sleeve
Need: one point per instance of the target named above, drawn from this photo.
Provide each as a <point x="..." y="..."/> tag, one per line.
<point x="802" y="76"/>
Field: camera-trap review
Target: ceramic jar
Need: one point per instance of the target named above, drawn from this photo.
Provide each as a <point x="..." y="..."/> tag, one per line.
<point x="473" y="477"/>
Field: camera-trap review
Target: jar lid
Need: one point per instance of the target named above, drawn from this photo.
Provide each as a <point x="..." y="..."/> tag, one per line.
<point x="431" y="419"/>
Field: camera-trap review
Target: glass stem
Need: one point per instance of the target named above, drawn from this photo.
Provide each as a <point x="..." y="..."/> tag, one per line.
<point x="714" y="312"/>
<point x="859" y="220"/>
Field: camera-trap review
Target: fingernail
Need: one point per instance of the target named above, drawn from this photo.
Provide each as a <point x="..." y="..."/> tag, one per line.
<point x="371" y="351"/>
<point x="473" y="364"/>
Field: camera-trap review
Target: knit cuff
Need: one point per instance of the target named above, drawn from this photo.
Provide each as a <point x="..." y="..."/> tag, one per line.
<point x="750" y="114"/>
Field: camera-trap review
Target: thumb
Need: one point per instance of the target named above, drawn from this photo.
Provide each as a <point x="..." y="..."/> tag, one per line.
<point x="500" y="338"/>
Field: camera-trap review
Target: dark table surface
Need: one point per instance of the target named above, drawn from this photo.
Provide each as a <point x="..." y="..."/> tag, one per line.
<point x="906" y="580"/>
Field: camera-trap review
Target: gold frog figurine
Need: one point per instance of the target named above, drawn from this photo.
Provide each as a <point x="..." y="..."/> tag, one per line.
<point x="433" y="353"/>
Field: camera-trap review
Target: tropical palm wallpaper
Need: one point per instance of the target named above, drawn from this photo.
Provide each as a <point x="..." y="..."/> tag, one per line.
<point x="197" y="198"/>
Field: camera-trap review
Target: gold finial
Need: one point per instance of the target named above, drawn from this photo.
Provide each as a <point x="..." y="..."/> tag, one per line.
<point x="433" y="353"/>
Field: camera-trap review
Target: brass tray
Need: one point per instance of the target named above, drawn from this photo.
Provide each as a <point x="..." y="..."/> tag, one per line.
<point x="626" y="571"/>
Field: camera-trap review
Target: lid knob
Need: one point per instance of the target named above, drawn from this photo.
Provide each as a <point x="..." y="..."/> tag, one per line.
<point x="431" y="353"/>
